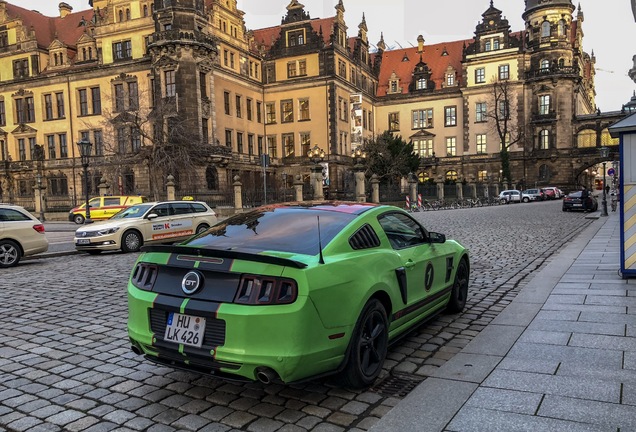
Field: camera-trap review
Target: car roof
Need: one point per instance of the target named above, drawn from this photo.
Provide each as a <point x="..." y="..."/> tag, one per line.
<point x="169" y="202"/>
<point x="352" y="207"/>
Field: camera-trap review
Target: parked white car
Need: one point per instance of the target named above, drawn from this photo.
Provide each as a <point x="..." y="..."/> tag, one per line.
<point x="21" y="234"/>
<point x="146" y="223"/>
<point x="512" y="196"/>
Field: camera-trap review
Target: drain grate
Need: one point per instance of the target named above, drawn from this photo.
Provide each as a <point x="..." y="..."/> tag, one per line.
<point x="396" y="385"/>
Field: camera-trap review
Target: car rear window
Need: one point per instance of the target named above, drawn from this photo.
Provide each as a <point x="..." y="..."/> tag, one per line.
<point x="293" y="230"/>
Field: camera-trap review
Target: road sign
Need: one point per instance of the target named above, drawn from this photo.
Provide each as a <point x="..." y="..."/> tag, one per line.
<point x="611" y="172"/>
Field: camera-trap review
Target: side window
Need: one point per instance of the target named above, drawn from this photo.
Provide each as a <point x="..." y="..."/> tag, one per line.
<point x="111" y="202"/>
<point x="95" y="202"/>
<point x="181" y="208"/>
<point x="199" y="208"/>
<point x="401" y="230"/>
<point x="162" y="210"/>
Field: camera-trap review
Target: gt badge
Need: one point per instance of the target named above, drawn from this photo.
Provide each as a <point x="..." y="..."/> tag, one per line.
<point x="428" y="277"/>
<point x="191" y="282"/>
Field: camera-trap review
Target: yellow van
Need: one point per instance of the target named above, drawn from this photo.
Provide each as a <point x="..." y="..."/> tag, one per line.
<point x="104" y="207"/>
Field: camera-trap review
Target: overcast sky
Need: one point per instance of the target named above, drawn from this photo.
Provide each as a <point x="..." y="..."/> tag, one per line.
<point x="609" y="28"/>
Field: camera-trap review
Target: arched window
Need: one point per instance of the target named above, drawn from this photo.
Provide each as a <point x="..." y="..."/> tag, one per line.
<point x="451" y="175"/>
<point x="145" y="10"/>
<point x="586" y="138"/>
<point x="121" y="15"/>
<point x="545" y="64"/>
<point x="127" y="14"/>
<point x="90" y="53"/>
<point x="84" y="54"/>
<point x="561" y="62"/>
<point x="545" y="29"/>
<point x="212" y="178"/>
<point x="561" y="28"/>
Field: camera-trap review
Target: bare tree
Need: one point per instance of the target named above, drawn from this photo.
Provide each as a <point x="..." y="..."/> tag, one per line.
<point x="504" y="122"/>
<point x="159" y="136"/>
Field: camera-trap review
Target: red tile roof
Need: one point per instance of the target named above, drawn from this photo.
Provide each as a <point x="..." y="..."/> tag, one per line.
<point x="403" y="62"/>
<point x="266" y="37"/>
<point x="67" y="29"/>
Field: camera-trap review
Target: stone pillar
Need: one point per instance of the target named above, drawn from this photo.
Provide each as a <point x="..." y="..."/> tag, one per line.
<point x="459" y="187"/>
<point x="317" y="174"/>
<point x="103" y="187"/>
<point x="360" y="186"/>
<point x="170" y="187"/>
<point x="375" y="189"/>
<point x="40" y="202"/>
<point x="412" y="188"/>
<point x="496" y="190"/>
<point x="440" y="188"/>
<point x="298" y="188"/>
<point x="473" y="188"/>
<point x="238" y="197"/>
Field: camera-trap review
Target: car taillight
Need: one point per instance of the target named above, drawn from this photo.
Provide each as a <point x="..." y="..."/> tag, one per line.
<point x="265" y="290"/>
<point x="144" y="276"/>
<point x="39" y="228"/>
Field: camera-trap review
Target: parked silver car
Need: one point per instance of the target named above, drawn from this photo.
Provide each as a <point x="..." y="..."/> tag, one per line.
<point x="533" y="195"/>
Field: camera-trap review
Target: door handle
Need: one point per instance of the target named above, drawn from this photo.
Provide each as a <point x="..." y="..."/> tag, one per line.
<point x="409" y="264"/>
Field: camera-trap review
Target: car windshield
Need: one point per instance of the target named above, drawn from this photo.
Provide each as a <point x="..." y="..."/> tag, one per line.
<point x="575" y="195"/>
<point x="132" y="212"/>
<point x="284" y="229"/>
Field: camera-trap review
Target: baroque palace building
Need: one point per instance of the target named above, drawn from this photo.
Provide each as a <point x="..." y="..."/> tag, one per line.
<point x="280" y="91"/>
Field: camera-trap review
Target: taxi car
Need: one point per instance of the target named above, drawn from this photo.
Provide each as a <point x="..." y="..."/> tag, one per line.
<point x="146" y="223"/>
<point x="284" y="293"/>
<point x="21" y="234"/>
<point x="104" y="207"/>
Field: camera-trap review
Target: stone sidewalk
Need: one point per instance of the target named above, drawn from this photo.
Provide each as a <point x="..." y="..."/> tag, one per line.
<point x="561" y="356"/>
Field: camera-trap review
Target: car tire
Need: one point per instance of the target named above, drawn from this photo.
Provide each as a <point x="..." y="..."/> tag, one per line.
<point x="202" y="228"/>
<point x="459" y="292"/>
<point x="503" y="201"/>
<point x="10" y="253"/>
<point x="368" y="347"/>
<point x="525" y="200"/>
<point x="131" y="241"/>
<point x="78" y="219"/>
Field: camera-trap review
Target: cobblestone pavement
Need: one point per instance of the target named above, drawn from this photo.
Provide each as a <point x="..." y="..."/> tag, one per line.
<point x="66" y="365"/>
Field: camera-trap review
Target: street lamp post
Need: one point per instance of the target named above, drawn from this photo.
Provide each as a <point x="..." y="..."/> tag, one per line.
<point x="85" y="147"/>
<point x="604" y="151"/>
<point x="358" y="157"/>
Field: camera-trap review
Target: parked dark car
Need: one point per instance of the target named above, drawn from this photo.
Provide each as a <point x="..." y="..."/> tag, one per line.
<point x="573" y="201"/>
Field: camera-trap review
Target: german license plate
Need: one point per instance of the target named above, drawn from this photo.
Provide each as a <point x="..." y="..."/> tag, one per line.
<point x="577" y="205"/>
<point x="185" y="329"/>
<point x="83" y="241"/>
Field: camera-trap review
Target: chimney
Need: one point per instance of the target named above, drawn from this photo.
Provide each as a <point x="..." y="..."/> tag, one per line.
<point x="65" y="9"/>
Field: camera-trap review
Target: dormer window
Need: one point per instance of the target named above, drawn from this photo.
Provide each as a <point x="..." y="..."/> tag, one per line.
<point x="495" y="44"/>
<point x="487" y="46"/>
<point x="420" y="84"/>
<point x="450" y="80"/>
<point x="296" y="37"/>
<point x="394" y="86"/>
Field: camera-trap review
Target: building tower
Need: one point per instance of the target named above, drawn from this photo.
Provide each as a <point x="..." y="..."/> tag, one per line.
<point x="559" y="80"/>
<point x="182" y="57"/>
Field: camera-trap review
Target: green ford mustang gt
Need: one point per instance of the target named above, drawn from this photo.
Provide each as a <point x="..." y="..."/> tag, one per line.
<point x="288" y="292"/>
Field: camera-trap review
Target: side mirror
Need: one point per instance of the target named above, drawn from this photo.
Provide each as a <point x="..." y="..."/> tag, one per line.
<point x="434" y="237"/>
<point x="152" y="216"/>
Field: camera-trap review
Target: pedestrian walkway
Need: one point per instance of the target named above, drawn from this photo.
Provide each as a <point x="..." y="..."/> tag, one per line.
<point x="560" y="357"/>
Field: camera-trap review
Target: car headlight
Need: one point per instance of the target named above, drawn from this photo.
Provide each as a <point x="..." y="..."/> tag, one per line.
<point x="107" y="231"/>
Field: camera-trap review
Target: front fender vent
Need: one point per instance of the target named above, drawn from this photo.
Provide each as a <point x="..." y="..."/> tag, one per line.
<point x="364" y="238"/>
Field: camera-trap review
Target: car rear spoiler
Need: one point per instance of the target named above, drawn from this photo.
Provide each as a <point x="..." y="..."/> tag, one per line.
<point x="222" y="253"/>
